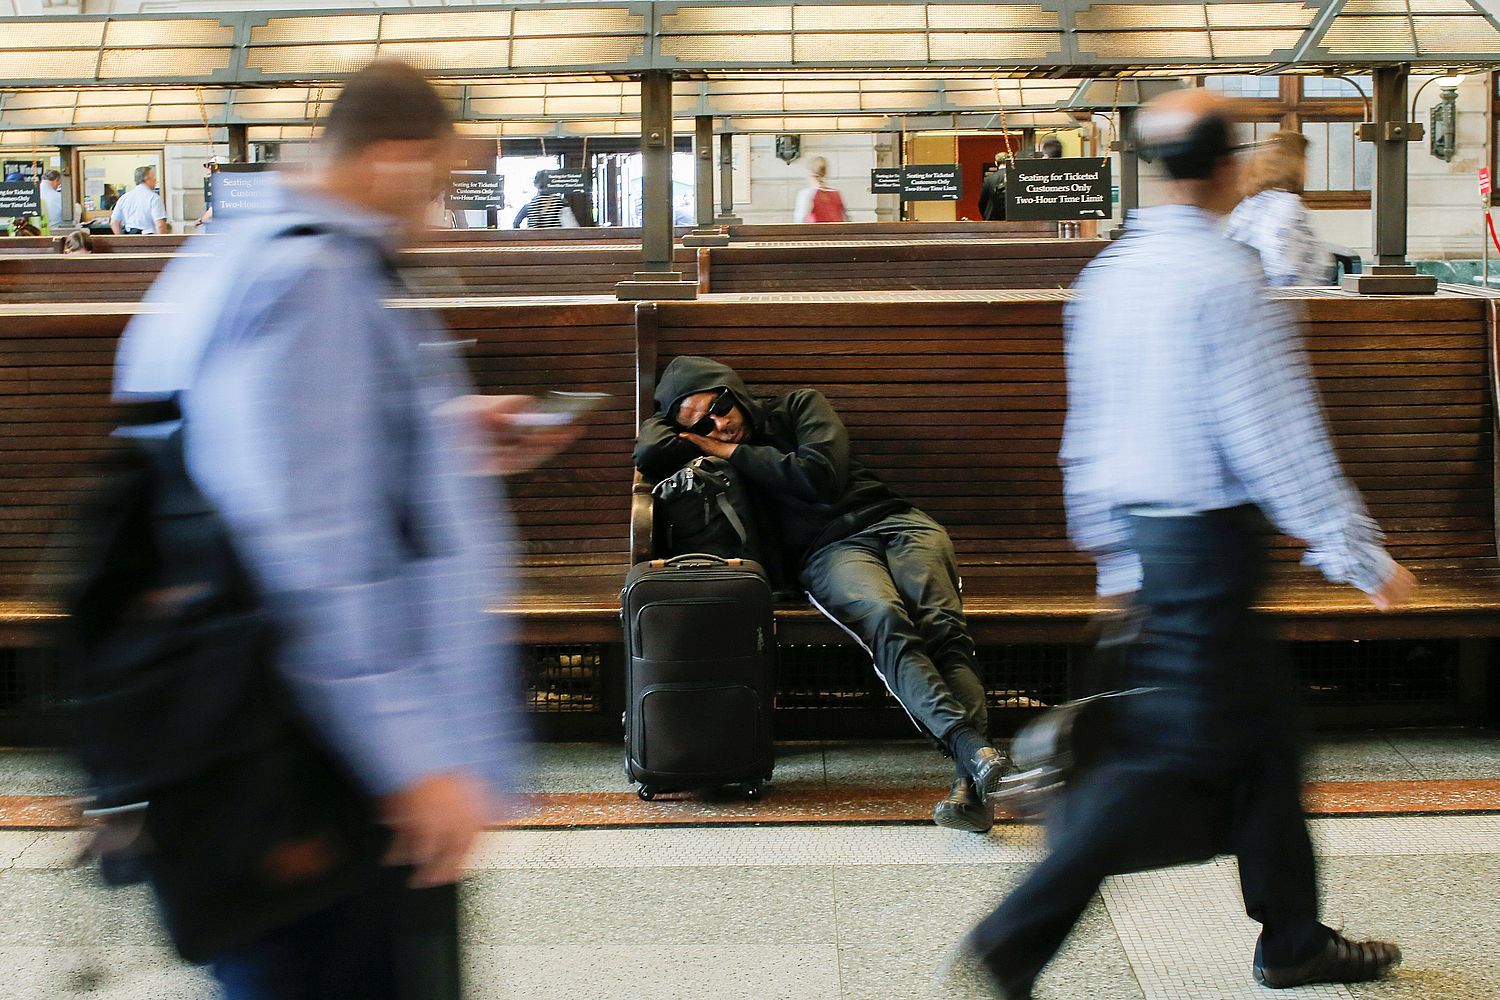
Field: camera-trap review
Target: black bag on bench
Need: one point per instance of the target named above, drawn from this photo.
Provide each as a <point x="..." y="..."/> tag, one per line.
<point x="707" y="509"/>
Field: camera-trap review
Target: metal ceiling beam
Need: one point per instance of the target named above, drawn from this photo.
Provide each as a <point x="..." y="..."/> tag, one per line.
<point x="714" y="37"/>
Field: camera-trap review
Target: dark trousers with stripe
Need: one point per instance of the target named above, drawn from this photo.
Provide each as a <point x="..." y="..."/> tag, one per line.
<point x="894" y="587"/>
<point x="1206" y="763"/>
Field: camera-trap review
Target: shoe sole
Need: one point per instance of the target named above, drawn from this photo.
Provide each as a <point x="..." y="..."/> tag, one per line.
<point x="953" y="819"/>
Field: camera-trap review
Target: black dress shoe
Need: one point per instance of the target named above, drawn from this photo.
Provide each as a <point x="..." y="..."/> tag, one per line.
<point x="963" y="810"/>
<point x="1340" y="961"/>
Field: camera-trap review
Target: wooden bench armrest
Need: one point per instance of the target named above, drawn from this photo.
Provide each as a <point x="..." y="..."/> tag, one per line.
<point x="642" y="520"/>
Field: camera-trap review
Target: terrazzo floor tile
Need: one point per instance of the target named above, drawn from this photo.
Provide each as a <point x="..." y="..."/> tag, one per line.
<point x="37" y="772"/>
<point x="1186" y="935"/>
<point x="628" y="906"/>
<point x="36" y="973"/>
<point x="1443" y="911"/>
<point x="906" y="764"/>
<point x="72" y="908"/>
<point x="1358" y="757"/>
<point x="650" y="970"/>
<point x="1091" y="966"/>
<point x="1450" y="754"/>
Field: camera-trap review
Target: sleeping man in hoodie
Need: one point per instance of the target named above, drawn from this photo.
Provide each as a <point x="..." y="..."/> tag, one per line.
<point x="868" y="559"/>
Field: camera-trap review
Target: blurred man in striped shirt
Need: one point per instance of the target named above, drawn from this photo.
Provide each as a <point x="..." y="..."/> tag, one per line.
<point x="1192" y="418"/>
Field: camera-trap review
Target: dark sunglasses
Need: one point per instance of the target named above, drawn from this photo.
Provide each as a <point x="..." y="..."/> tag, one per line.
<point x="720" y="407"/>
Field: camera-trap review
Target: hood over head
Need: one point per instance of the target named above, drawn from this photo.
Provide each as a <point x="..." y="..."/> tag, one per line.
<point x="688" y="375"/>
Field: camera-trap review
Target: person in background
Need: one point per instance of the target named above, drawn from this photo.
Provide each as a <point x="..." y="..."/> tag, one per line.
<point x="818" y="202"/>
<point x="1273" y="220"/>
<point x="338" y="440"/>
<point x="1192" y="419"/>
<point x="992" y="191"/>
<point x="25" y="226"/>
<point x="141" y="209"/>
<point x="78" y="241"/>
<point x="1052" y="148"/>
<point x="52" y="200"/>
<point x="546" y="210"/>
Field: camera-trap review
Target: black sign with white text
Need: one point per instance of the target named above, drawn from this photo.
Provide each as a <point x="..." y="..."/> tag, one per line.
<point x="241" y="189"/>
<point x="568" y="181"/>
<point x="471" y="192"/>
<point x="19" y="198"/>
<point x="885" y="180"/>
<point x="932" y="182"/>
<point x="1075" y="188"/>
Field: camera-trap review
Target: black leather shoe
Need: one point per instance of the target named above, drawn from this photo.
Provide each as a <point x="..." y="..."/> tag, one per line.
<point x="1340" y="961"/>
<point x="990" y="768"/>
<point x="963" y="810"/>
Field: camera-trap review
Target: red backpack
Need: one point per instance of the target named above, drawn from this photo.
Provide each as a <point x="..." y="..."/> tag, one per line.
<point x="827" y="206"/>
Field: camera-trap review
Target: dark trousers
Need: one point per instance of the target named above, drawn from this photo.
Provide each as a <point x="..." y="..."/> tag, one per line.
<point x="1207" y="763"/>
<point x="894" y="587"/>
<point x="386" y="942"/>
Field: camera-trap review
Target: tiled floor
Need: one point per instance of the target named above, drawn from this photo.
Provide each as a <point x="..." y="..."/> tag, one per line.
<point x="825" y="912"/>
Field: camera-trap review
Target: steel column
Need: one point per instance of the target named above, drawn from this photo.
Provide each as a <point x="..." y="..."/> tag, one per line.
<point x="1390" y="132"/>
<point x="726" y="181"/>
<point x="1130" y="171"/>
<point x="657" y="278"/>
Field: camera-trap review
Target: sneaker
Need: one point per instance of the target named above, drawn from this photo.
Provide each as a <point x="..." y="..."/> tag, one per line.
<point x="1340" y="961"/>
<point x="963" y="810"/>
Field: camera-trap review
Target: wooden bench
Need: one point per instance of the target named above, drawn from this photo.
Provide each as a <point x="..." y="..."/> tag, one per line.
<point x="957" y="400"/>
<point x="55" y="369"/>
<point x="592" y="269"/>
<point x="627" y="235"/>
<point x="869" y="265"/>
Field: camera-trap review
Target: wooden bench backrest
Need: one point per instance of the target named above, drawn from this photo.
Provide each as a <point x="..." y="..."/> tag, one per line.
<point x="582" y="270"/>
<point x="815" y="265"/>
<point x="957" y="400"/>
<point x="595" y="269"/>
<point x="55" y="373"/>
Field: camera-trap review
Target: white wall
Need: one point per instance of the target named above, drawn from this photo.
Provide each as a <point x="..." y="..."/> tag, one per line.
<point x="765" y="187"/>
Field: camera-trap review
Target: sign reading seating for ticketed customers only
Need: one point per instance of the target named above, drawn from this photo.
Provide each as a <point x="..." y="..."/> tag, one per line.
<point x="1072" y="188"/>
<point x="18" y="198"/>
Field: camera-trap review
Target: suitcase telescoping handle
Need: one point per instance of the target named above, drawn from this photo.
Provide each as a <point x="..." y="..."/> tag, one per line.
<point x="695" y="560"/>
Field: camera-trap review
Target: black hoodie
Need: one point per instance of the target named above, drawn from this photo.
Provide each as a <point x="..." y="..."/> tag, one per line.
<point x="797" y="453"/>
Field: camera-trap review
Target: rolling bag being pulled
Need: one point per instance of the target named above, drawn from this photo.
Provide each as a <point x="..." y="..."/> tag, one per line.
<point x="700" y="653"/>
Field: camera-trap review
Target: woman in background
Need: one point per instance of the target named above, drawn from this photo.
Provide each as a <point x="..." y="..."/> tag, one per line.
<point x="818" y="202"/>
<point x="1273" y="218"/>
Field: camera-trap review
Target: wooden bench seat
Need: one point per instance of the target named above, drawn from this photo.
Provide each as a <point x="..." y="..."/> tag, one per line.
<point x="956" y="399"/>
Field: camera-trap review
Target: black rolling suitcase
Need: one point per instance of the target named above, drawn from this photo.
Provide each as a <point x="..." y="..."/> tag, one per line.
<point x="700" y="654"/>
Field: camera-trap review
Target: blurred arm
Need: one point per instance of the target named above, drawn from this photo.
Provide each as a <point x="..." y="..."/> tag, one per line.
<point x="1271" y="429"/>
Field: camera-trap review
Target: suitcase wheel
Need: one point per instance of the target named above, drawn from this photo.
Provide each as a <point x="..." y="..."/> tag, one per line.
<point x="753" y="792"/>
<point x="646" y="793"/>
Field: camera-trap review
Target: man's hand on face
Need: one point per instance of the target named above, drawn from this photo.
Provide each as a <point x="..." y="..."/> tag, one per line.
<point x="717" y="449"/>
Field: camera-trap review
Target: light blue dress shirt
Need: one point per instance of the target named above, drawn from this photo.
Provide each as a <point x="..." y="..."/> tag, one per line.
<point x="1188" y="390"/>
<point x="139" y="208"/>
<point x="314" y="421"/>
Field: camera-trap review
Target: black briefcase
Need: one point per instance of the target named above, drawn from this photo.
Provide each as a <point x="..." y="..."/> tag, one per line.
<point x="700" y="676"/>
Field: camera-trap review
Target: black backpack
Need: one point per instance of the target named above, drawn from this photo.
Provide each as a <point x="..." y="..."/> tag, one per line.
<point x="707" y="508"/>
<point x="246" y="820"/>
